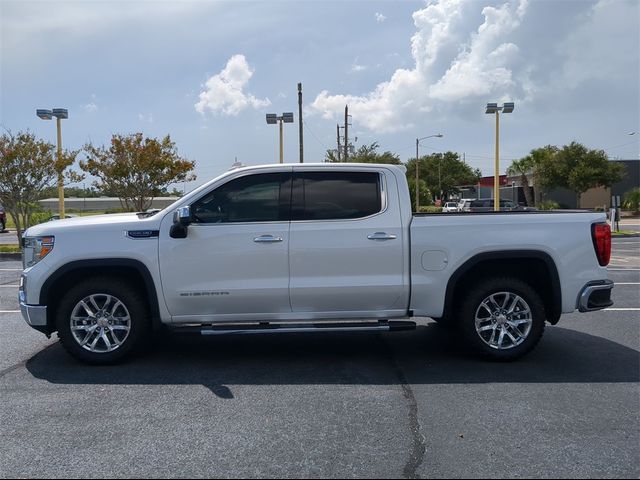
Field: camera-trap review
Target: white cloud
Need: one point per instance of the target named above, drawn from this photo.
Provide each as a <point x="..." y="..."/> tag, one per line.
<point x="483" y="64"/>
<point x="224" y="93"/>
<point x="148" y="117"/>
<point x="484" y="67"/>
<point x="380" y="17"/>
<point x="90" y="107"/>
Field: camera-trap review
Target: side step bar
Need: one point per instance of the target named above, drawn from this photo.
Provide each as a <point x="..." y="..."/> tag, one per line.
<point x="382" y="326"/>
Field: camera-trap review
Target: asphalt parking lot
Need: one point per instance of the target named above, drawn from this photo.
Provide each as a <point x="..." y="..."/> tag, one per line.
<point x="410" y="404"/>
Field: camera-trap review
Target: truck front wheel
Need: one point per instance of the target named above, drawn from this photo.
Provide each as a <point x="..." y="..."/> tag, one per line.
<point x="503" y="318"/>
<point x="102" y="320"/>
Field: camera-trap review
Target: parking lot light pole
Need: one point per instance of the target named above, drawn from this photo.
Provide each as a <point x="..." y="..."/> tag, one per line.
<point x="418" y="140"/>
<point x="59" y="113"/>
<point x="494" y="108"/>
<point x="272" y="119"/>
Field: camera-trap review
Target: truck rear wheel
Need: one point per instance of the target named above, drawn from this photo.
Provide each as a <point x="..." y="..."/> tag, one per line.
<point x="503" y="318"/>
<point x="102" y="320"/>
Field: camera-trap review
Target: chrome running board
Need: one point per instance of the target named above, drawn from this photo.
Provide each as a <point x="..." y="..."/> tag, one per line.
<point x="269" y="328"/>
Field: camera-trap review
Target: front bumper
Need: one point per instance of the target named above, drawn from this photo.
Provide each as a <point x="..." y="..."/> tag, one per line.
<point x="595" y="296"/>
<point x="34" y="315"/>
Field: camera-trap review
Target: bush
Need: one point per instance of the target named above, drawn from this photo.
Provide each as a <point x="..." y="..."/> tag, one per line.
<point x="548" y="205"/>
<point x="632" y="200"/>
<point x="430" y="209"/>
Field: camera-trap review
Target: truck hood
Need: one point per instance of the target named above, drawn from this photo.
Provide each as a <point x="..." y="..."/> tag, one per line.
<point x="110" y="222"/>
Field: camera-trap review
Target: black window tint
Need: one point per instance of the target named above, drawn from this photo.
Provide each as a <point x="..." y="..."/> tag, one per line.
<point x="253" y="198"/>
<point x="336" y="195"/>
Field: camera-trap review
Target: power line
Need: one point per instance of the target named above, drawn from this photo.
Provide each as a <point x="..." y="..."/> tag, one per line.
<point x="314" y="136"/>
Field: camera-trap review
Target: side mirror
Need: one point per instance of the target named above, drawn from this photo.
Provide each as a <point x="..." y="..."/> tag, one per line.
<point x="181" y="220"/>
<point x="182" y="216"/>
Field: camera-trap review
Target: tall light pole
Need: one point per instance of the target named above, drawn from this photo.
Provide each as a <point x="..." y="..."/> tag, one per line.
<point x="494" y="108"/>
<point x="272" y="119"/>
<point x="418" y="140"/>
<point x="59" y="113"/>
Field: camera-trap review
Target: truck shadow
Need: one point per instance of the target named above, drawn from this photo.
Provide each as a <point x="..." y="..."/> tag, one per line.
<point x="429" y="355"/>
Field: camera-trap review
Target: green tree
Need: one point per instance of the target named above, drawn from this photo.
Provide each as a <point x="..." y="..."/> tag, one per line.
<point x="364" y="154"/>
<point x="577" y="168"/>
<point x="28" y="166"/>
<point x="632" y="199"/>
<point x="136" y="169"/>
<point x="443" y="173"/>
<point x="425" y="194"/>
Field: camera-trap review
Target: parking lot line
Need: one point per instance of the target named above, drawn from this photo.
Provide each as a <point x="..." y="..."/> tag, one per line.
<point x="9" y="311"/>
<point x="7" y="286"/>
<point x="10" y="269"/>
<point x="627" y="283"/>
<point x="622" y="309"/>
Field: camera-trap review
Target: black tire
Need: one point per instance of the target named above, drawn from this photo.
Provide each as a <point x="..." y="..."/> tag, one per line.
<point x="473" y="305"/>
<point x="130" y="298"/>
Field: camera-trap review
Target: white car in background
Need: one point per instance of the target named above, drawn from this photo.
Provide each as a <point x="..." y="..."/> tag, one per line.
<point x="450" y="207"/>
<point x="464" y="204"/>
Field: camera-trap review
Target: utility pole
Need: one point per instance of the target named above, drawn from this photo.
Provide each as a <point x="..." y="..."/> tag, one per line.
<point x="346" y="133"/>
<point x="300" y="121"/>
<point x="338" y="137"/>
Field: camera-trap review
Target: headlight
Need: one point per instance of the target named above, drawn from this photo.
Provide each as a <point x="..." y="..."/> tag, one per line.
<point x="35" y="249"/>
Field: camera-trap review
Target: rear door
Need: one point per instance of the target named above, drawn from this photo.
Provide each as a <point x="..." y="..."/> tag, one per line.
<point x="346" y="245"/>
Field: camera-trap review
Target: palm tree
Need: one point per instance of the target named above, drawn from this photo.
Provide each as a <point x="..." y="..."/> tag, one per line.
<point x="523" y="167"/>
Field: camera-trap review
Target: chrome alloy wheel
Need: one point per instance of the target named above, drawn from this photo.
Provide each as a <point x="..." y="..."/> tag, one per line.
<point x="100" y="323"/>
<point x="503" y="320"/>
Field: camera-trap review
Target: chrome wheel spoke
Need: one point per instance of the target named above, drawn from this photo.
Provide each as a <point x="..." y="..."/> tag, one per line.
<point x="89" y="335"/>
<point x="513" y="305"/>
<point x="511" y="337"/>
<point x="106" y="340"/>
<point x="90" y="313"/>
<point x="94" y="303"/>
<point x="115" y="306"/>
<point x="114" y="337"/>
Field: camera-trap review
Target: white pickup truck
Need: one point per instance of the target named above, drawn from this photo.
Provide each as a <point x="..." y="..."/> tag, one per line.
<point x="310" y="247"/>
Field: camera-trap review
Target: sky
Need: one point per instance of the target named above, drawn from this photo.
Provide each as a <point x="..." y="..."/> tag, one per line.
<point x="207" y="72"/>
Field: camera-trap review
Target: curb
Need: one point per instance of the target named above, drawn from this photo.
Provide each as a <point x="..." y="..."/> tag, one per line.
<point x="631" y="235"/>
<point x="10" y="256"/>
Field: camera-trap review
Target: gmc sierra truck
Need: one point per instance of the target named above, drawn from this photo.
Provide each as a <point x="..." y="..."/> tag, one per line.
<point x="310" y="247"/>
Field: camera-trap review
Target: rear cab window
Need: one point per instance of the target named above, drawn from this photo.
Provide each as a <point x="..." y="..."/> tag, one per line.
<point x="336" y="195"/>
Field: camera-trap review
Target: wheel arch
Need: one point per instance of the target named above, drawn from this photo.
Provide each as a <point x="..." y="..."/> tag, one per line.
<point x="132" y="270"/>
<point x="539" y="268"/>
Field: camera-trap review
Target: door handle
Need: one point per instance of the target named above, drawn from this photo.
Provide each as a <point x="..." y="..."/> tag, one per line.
<point x="267" y="239"/>
<point x="381" y="236"/>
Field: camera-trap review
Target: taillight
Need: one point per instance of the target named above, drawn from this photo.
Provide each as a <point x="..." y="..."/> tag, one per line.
<point x="601" y="235"/>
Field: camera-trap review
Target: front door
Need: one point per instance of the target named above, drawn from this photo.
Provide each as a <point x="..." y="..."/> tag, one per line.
<point x="234" y="262"/>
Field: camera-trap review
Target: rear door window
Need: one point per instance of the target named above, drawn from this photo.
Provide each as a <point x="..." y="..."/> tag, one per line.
<point x="335" y="195"/>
